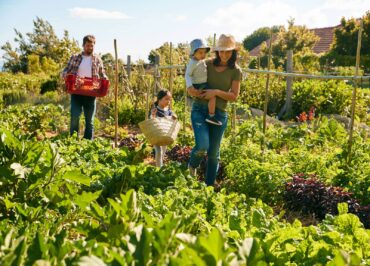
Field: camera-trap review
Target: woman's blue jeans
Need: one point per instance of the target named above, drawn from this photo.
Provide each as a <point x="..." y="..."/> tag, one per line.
<point x="207" y="139"/>
<point x="88" y="105"/>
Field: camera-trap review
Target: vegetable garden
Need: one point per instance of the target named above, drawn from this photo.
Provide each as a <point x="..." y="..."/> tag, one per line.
<point x="284" y="196"/>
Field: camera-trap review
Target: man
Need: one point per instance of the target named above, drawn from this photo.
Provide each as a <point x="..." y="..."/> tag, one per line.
<point x="85" y="64"/>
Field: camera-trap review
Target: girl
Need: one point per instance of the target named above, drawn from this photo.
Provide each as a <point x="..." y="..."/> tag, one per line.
<point x="161" y="108"/>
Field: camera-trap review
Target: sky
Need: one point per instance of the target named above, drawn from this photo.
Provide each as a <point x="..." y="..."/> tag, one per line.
<point x="140" y="26"/>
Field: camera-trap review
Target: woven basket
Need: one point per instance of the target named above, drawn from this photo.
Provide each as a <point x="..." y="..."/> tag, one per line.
<point x="160" y="131"/>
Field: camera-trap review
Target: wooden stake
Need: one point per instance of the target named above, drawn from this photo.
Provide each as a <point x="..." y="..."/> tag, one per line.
<point x="156" y="75"/>
<point x="116" y="96"/>
<point x="233" y="118"/>
<point x="353" y="105"/>
<point x="287" y="108"/>
<point x="267" y="85"/>
<point x="185" y="102"/>
<point x="266" y="94"/>
<point x="147" y="103"/>
<point x="171" y="73"/>
<point x="128" y="67"/>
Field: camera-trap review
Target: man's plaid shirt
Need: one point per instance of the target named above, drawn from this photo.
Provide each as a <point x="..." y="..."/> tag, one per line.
<point x="74" y="62"/>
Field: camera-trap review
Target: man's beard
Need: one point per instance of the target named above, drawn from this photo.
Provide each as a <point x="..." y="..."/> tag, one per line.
<point x="88" y="52"/>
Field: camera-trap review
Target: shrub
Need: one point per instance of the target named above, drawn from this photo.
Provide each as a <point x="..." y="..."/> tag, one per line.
<point x="309" y="195"/>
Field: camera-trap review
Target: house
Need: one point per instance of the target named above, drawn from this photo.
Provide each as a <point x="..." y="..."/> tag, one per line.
<point x="326" y="36"/>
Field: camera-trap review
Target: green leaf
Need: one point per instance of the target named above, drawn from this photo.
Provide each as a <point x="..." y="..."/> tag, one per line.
<point x="77" y="177"/>
<point x="20" y="170"/>
<point x="90" y="261"/>
<point x="41" y="263"/>
<point x="9" y="204"/>
<point x="37" y="248"/>
<point x="213" y="243"/>
<point x="249" y="250"/>
<point x="86" y="198"/>
<point x="342" y="208"/>
<point x="142" y="251"/>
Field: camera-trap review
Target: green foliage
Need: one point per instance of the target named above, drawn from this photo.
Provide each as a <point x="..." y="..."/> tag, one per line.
<point x="258" y="36"/>
<point x="180" y="54"/>
<point x="13" y="97"/>
<point x="40" y="45"/>
<point x="319" y="148"/>
<point x="66" y="201"/>
<point x="33" y="64"/>
<point x="345" y="40"/>
<point x="344" y="48"/>
<point x="22" y="82"/>
<point x="127" y="114"/>
<point x="329" y="97"/>
<point x="297" y="38"/>
<point x="34" y="120"/>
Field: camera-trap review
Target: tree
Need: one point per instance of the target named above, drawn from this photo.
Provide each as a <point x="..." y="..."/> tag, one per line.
<point x="180" y="54"/>
<point x="258" y="36"/>
<point x="33" y="64"/>
<point x="345" y="37"/>
<point x="42" y="42"/>
<point x="299" y="39"/>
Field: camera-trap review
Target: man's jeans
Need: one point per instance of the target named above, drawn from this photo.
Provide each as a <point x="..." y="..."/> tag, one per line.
<point x="88" y="105"/>
<point x="207" y="139"/>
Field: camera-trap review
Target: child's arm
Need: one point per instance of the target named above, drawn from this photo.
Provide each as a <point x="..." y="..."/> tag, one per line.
<point x="153" y="113"/>
<point x="188" y="73"/>
<point x="172" y="114"/>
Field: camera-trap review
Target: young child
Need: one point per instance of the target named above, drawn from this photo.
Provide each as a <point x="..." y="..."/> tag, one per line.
<point x="161" y="108"/>
<point x="196" y="75"/>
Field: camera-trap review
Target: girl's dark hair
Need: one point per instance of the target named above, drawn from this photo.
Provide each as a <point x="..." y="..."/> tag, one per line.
<point x="232" y="61"/>
<point x="161" y="94"/>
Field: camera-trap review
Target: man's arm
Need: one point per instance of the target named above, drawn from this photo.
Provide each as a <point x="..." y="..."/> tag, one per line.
<point x="102" y="73"/>
<point x="68" y="68"/>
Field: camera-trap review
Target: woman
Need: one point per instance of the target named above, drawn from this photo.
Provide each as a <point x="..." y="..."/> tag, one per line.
<point x="223" y="78"/>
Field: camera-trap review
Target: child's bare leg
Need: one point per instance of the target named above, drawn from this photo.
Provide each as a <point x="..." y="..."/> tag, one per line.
<point x="212" y="106"/>
<point x="211" y="112"/>
<point x="158" y="156"/>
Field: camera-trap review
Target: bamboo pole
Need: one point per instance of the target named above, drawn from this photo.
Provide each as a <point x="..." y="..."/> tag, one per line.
<point x="353" y="105"/>
<point x="267" y="86"/>
<point x="147" y="103"/>
<point x="233" y="118"/>
<point x="116" y="96"/>
<point x="171" y="73"/>
<point x="185" y="102"/>
<point x="156" y="75"/>
<point x="214" y="40"/>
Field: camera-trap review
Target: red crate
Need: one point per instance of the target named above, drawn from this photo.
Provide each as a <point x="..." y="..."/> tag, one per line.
<point x="86" y="86"/>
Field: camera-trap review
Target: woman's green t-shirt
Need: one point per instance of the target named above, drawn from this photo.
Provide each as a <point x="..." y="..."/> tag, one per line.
<point x="222" y="81"/>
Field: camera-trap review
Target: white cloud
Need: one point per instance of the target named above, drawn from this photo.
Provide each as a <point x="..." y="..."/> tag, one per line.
<point x="92" y="13"/>
<point x="331" y="11"/>
<point x="243" y="17"/>
<point x="180" y="18"/>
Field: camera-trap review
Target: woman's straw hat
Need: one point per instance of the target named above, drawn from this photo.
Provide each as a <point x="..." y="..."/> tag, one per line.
<point x="226" y="42"/>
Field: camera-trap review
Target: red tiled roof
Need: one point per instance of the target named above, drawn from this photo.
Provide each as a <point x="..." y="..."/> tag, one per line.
<point x="326" y="36"/>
